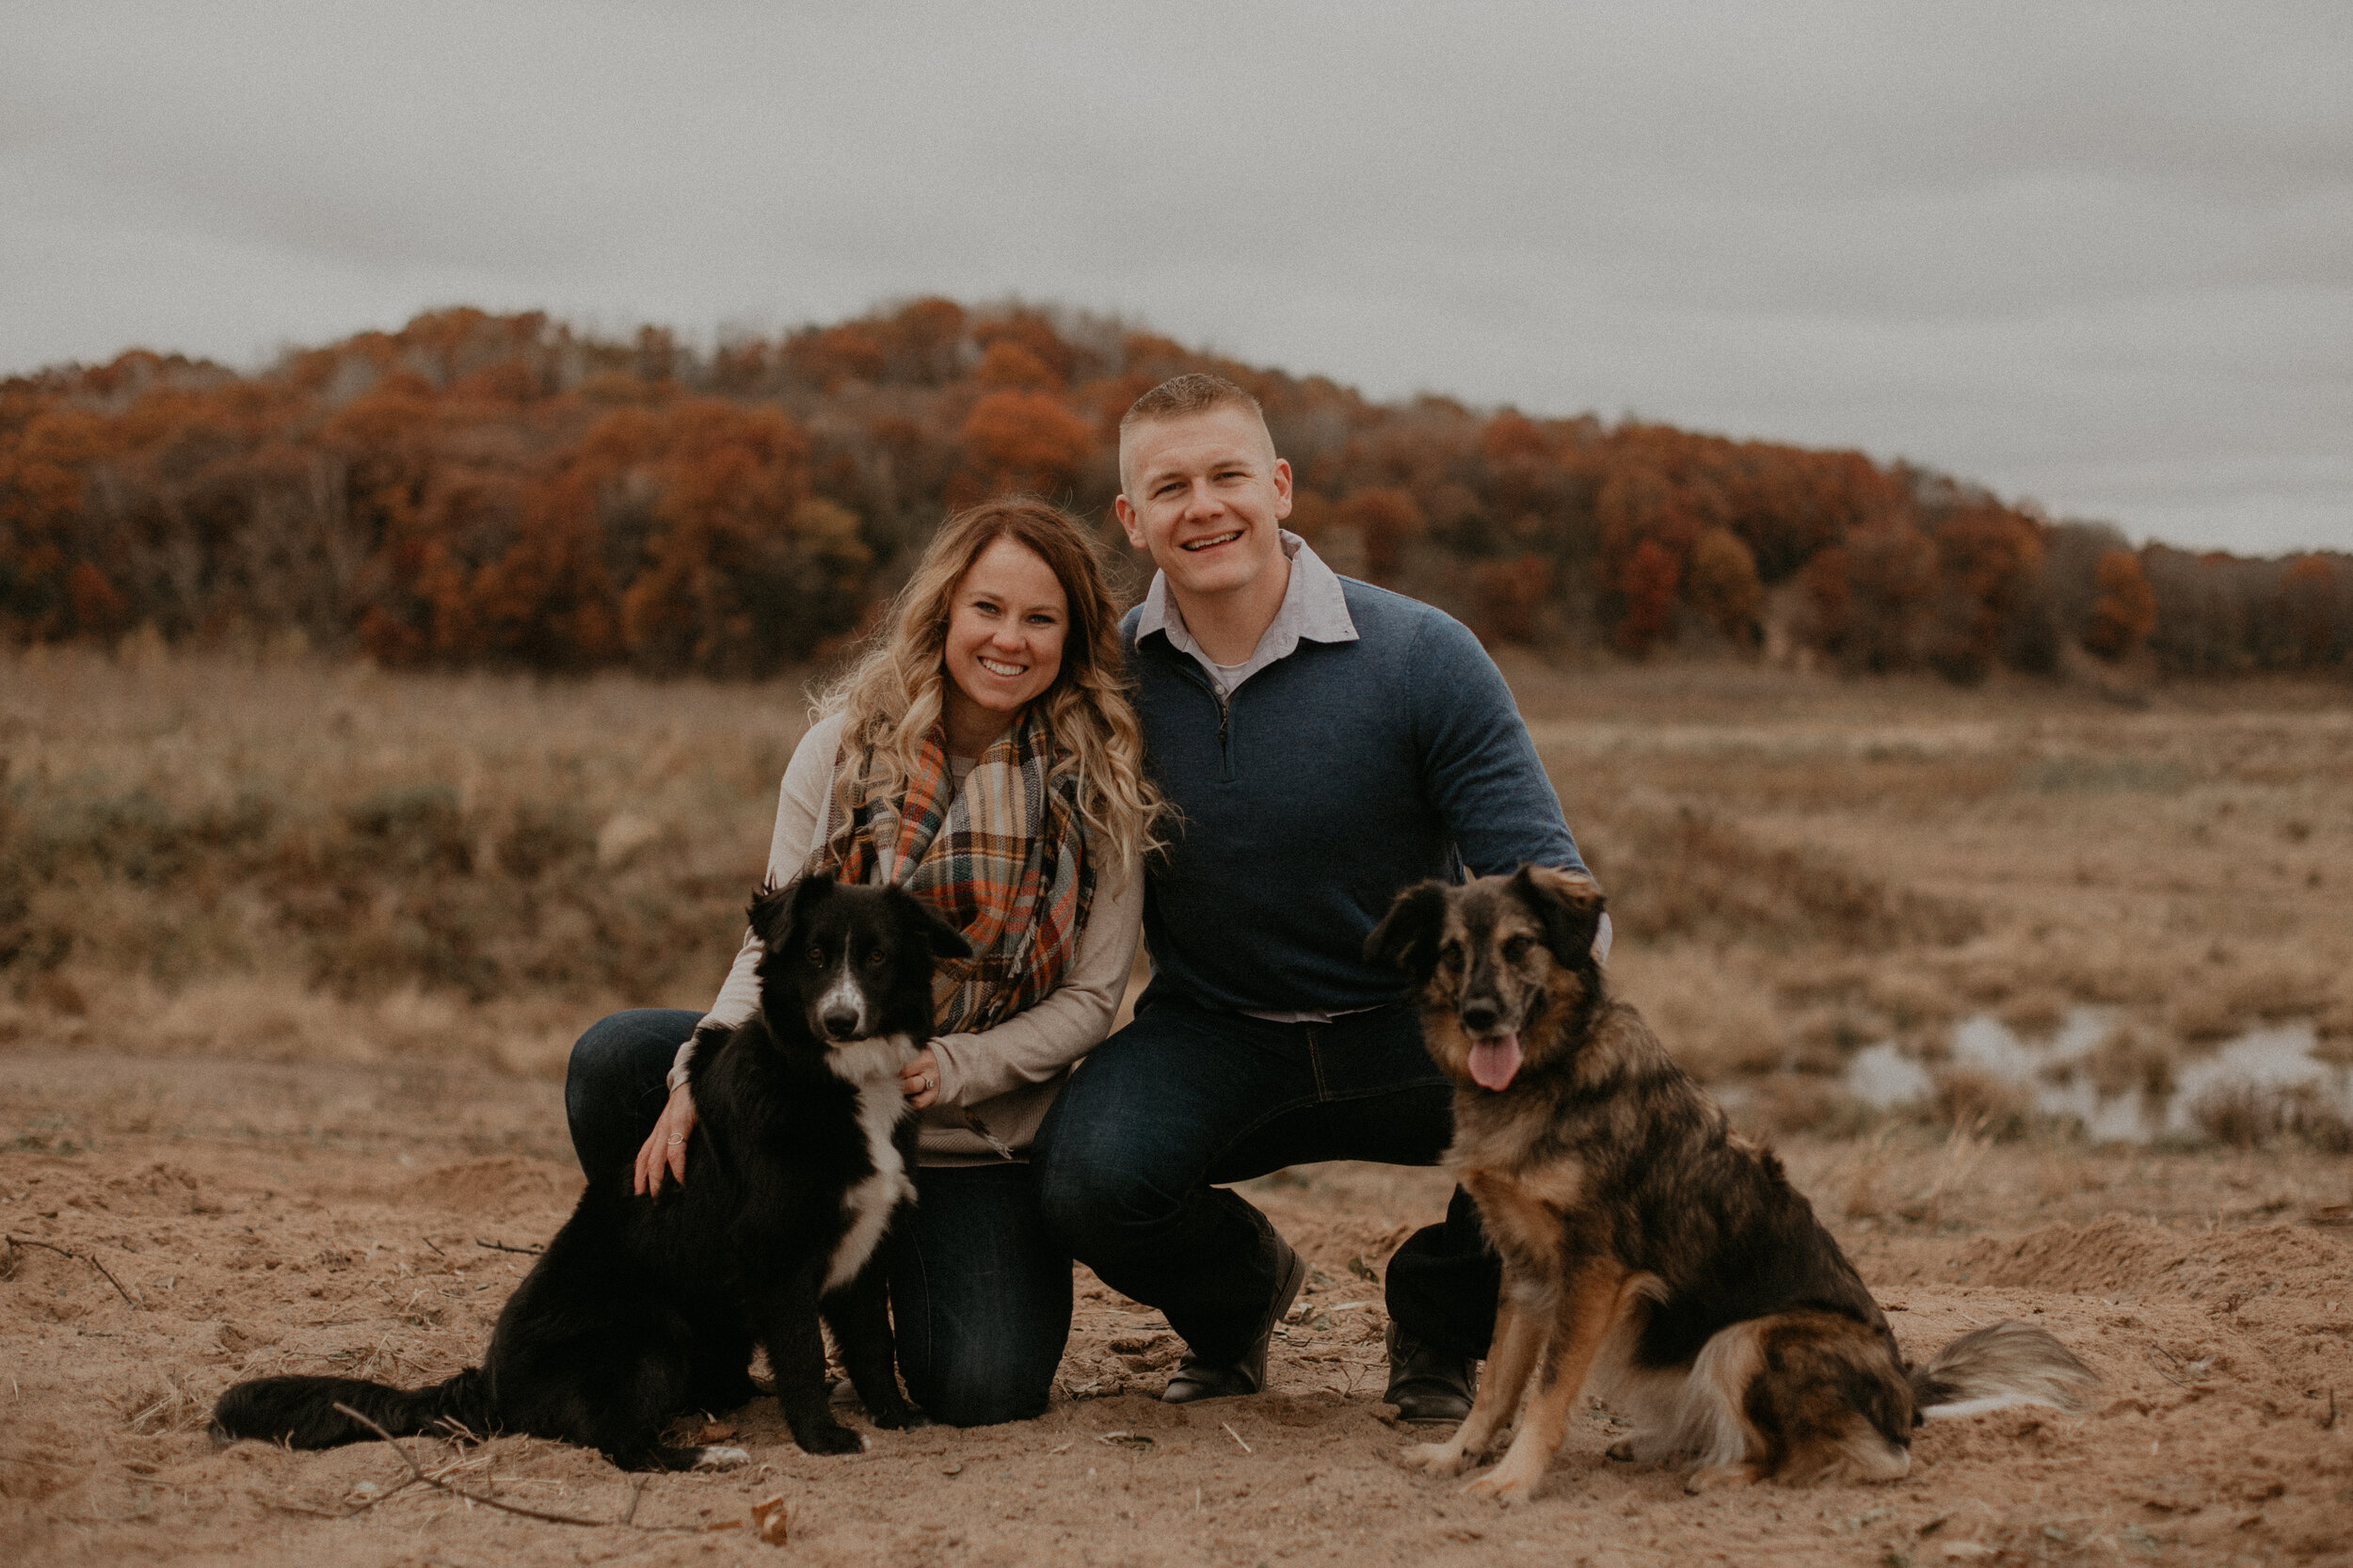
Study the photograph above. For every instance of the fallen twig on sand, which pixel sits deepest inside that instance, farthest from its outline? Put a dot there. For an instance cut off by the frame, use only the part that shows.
(385, 1496)
(501, 1246)
(1237, 1436)
(417, 1475)
(136, 1304)
(310, 1513)
(2166, 1362)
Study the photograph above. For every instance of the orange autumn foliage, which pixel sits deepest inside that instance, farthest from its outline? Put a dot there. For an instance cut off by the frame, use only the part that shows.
(481, 487)
(2125, 612)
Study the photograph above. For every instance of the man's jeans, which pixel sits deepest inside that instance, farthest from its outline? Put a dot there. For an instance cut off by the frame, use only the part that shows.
(1132, 1159)
(980, 1292)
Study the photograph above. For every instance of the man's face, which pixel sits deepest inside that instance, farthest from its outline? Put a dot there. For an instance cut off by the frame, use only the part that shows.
(1205, 495)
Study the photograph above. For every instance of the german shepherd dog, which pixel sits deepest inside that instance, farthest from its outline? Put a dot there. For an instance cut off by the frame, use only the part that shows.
(1652, 1256)
(645, 1307)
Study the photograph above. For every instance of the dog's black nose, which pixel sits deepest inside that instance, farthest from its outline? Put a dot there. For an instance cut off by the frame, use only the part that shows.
(1479, 1016)
(840, 1022)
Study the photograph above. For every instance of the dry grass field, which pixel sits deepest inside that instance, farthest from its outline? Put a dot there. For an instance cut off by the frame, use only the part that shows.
(290, 954)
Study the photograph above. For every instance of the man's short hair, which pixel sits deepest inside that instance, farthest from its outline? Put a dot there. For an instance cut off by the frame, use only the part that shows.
(1193, 392)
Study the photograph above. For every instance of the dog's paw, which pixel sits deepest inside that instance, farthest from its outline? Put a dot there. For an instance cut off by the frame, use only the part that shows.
(896, 1418)
(1440, 1459)
(1504, 1483)
(1714, 1476)
(713, 1458)
(830, 1440)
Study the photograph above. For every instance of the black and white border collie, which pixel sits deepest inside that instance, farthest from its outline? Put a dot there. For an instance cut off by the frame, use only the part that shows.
(643, 1308)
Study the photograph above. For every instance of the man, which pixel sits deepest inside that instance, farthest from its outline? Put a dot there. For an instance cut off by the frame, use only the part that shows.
(1322, 743)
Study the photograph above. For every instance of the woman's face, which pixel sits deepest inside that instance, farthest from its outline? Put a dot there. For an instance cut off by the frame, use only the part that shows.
(1006, 621)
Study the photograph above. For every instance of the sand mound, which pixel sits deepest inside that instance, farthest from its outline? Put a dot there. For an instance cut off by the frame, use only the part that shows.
(497, 1187)
(158, 1188)
(2122, 1254)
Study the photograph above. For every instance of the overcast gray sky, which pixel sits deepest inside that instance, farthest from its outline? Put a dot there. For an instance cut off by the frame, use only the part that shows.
(2097, 256)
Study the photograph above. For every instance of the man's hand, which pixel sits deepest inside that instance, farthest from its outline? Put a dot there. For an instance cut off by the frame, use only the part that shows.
(667, 1145)
(919, 1081)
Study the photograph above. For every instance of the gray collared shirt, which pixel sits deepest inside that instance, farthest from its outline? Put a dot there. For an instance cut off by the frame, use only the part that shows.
(1313, 608)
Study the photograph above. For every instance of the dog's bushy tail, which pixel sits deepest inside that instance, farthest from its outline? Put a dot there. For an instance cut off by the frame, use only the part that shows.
(301, 1411)
(2008, 1363)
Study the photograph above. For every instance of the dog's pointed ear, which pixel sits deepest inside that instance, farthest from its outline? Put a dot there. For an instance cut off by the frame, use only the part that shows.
(777, 911)
(1407, 937)
(944, 940)
(1570, 905)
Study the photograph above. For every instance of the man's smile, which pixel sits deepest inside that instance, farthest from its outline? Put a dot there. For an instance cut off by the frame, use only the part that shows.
(1212, 541)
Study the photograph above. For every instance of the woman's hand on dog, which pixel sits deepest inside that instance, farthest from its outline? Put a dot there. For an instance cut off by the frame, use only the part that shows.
(667, 1145)
(919, 1081)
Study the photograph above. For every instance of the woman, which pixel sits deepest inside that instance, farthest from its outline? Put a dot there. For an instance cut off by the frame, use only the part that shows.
(983, 755)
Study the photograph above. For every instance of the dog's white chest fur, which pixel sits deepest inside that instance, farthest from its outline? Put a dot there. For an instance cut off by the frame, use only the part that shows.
(872, 1067)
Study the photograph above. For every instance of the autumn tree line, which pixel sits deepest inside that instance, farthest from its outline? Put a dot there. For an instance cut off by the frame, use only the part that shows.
(501, 488)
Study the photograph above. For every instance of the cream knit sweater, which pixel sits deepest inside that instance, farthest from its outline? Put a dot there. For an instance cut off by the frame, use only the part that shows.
(993, 1086)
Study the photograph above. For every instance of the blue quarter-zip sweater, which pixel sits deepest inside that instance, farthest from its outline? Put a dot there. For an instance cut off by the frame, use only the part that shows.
(1333, 778)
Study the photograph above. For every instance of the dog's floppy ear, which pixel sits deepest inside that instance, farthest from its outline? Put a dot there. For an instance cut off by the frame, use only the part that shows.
(1570, 905)
(944, 940)
(777, 911)
(1407, 937)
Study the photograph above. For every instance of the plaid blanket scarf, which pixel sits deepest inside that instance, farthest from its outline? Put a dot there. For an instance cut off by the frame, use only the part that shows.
(1003, 859)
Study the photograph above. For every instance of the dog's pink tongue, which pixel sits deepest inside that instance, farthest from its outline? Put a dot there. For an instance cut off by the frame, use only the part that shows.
(1493, 1061)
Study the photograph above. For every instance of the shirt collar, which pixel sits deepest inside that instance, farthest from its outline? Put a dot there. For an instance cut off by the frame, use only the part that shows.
(1314, 607)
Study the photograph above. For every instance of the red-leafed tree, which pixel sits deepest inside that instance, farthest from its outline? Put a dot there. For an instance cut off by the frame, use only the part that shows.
(1387, 520)
(1986, 555)
(1890, 573)
(2124, 611)
(1024, 441)
(735, 576)
(1015, 365)
(548, 600)
(825, 357)
(1512, 596)
(2308, 594)
(45, 466)
(1647, 580)
(1722, 585)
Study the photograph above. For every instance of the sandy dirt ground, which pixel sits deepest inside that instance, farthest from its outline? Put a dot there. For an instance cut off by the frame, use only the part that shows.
(231, 1219)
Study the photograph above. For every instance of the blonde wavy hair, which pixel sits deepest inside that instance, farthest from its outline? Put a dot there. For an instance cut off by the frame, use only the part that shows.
(892, 696)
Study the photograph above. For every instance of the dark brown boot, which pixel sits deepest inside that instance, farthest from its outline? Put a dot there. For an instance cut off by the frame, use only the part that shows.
(1428, 1385)
(1196, 1379)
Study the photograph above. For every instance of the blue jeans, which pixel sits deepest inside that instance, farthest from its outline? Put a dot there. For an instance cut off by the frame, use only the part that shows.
(980, 1291)
(1133, 1158)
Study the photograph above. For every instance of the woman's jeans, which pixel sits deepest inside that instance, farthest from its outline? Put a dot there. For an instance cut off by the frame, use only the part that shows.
(980, 1291)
